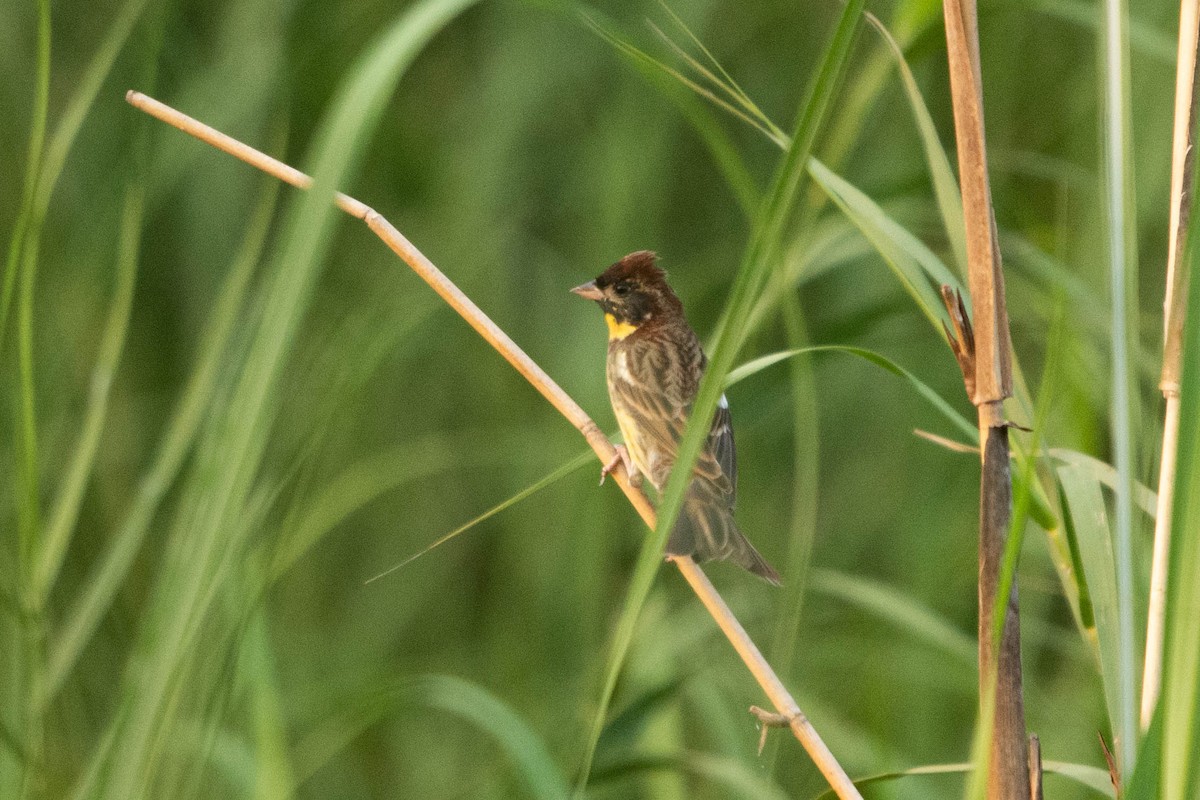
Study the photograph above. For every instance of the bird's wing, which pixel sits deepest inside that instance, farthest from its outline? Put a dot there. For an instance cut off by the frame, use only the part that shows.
(657, 408)
(720, 444)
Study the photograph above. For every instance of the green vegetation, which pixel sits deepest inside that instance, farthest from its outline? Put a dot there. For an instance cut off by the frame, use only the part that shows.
(227, 407)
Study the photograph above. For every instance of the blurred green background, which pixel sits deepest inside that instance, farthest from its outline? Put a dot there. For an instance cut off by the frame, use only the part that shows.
(522, 153)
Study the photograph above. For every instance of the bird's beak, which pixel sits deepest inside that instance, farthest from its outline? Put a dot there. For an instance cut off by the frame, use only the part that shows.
(588, 291)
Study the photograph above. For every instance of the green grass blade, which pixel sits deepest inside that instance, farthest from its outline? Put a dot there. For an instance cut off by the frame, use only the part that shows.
(1146, 39)
(84, 97)
(1088, 514)
(1091, 777)
(724, 83)
(686, 95)
(65, 511)
(20, 264)
(936, 400)
(512, 733)
(101, 587)
(914, 264)
(1145, 497)
(945, 186)
(647, 63)
(274, 774)
(572, 466)
(733, 778)
(899, 610)
(1123, 270)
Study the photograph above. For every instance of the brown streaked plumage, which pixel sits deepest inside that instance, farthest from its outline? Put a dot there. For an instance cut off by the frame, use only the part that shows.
(655, 363)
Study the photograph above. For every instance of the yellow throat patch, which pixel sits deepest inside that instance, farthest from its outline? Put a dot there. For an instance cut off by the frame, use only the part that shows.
(618, 330)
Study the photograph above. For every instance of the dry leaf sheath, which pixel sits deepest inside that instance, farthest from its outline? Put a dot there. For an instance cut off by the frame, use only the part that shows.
(1008, 762)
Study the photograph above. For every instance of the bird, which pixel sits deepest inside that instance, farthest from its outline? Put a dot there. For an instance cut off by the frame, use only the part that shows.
(654, 366)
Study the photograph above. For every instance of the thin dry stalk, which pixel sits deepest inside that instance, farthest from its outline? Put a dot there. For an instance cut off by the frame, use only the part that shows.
(1174, 308)
(500, 341)
(1008, 763)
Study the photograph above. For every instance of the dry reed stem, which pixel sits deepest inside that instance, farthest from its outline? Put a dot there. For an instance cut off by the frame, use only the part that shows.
(1008, 758)
(500, 341)
(1174, 308)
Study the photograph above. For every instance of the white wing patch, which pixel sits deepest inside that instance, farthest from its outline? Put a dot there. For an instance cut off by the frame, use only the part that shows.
(723, 403)
(622, 364)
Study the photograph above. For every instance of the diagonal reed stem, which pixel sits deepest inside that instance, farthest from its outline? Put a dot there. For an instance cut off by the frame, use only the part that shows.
(562, 402)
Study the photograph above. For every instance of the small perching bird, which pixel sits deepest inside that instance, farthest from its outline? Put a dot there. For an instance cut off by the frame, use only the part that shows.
(655, 363)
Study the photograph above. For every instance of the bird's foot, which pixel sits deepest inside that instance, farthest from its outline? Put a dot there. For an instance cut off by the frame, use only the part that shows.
(621, 458)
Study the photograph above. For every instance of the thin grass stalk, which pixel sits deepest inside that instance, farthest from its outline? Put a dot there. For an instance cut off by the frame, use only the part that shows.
(987, 371)
(1122, 262)
(1174, 308)
(86, 612)
(559, 399)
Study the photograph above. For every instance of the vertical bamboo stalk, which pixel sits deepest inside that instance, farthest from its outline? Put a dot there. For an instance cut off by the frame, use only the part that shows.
(988, 375)
(1174, 306)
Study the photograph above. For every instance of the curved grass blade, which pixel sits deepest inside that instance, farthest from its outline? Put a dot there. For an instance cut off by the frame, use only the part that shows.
(574, 465)
(914, 264)
(449, 694)
(647, 61)
(1093, 778)
(101, 587)
(513, 734)
(1144, 38)
(1103, 472)
(686, 97)
(734, 778)
(65, 512)
(1088, 514)
(899, 610)
(923, 389)
(725, 82)
(20, 264)
(945, 186)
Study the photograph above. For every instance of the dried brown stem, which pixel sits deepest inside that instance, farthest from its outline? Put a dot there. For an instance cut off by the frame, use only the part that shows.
(500, 341)
(1008, 761)
(1174, 310)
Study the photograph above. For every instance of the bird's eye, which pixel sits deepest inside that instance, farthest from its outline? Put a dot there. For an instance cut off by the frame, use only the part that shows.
(622, 289)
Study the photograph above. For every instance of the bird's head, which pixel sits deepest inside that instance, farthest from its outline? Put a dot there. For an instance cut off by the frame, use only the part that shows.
(632, 292)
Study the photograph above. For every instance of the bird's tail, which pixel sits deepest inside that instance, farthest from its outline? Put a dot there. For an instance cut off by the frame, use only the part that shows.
(707, 531)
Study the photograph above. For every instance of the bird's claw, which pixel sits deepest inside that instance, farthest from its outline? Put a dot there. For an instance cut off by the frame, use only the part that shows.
(621, 458)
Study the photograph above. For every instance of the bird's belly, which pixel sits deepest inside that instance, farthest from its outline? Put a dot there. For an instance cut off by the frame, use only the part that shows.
(643, 457)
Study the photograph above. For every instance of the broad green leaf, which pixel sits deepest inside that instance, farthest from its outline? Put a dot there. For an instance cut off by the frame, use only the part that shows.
(1088, 518)
(1103, 473)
